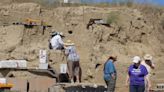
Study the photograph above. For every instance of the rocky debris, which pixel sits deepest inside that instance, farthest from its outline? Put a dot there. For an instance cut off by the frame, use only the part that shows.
(4, 12)
(133, 34)
(27, 8)
(10, 38)
(56, 58)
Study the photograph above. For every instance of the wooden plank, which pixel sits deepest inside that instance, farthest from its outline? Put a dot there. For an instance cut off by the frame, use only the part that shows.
(13, 64)
(80, 84)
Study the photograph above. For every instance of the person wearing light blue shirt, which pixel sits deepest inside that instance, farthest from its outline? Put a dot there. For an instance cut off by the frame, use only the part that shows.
(110, 74)
(72, 61)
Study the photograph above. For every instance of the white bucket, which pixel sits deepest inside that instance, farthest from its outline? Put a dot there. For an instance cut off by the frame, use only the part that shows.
(63, 68)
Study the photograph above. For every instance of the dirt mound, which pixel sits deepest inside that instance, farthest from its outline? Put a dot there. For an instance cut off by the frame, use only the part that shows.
(131, 33)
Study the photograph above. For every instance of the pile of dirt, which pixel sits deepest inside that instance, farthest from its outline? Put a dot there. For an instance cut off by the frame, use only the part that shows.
(133, 33)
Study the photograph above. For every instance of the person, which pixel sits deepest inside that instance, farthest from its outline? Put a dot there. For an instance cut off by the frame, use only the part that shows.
(72, 61)
(56, 41)
(148, 63)
(137, 75)
(110, 73)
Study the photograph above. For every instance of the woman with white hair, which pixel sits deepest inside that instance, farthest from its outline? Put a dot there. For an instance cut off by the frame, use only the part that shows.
(137, 75)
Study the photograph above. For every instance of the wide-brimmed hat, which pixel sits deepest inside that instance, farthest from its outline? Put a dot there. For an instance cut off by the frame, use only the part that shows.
(61, 33)
(136, 59)
(57, 33)
(54, 33)
(148, 57)
(69, 42)
(113, 57)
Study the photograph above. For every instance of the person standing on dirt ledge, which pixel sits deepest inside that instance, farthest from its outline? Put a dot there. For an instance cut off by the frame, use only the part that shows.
(110, 73)
(137, 75)
(56, 41)
(72, 62)
(148, 63)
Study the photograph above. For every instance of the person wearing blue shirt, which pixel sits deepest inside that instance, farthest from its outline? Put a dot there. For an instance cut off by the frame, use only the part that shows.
(110, 74)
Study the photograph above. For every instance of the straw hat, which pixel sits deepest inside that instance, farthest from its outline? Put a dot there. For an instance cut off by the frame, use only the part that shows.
(61, 33)
(148, 57)
(69, 42)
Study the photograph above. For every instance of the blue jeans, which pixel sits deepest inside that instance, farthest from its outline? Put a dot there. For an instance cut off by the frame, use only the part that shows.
(137, 88)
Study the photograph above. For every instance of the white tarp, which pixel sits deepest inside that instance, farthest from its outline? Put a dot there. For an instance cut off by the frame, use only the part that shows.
(65, 1)
(43, 56)
(100, 21)
(13, 64)
(63, 68)
(2, 80)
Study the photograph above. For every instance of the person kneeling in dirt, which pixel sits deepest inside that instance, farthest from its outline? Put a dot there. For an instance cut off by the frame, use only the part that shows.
(72, 61)
(56, 41)
(110, 73)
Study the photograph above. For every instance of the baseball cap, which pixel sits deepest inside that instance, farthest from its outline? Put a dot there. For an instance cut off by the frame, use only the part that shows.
(136, 59)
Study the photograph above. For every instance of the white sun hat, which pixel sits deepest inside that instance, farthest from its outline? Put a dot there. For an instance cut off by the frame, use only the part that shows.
(148, 57)
(61, 33)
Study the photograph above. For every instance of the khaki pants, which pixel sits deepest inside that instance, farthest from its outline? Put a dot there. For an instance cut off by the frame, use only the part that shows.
(111, 85)
(73, 68)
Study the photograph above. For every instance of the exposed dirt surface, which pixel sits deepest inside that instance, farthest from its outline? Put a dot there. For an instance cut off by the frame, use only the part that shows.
(136, 32)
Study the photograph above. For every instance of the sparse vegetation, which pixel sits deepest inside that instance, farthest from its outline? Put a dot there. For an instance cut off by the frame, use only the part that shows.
(113, 17)
(162, 23)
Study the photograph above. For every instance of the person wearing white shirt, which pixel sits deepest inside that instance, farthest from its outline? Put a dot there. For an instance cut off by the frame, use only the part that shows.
(57, 41)
(148, 63)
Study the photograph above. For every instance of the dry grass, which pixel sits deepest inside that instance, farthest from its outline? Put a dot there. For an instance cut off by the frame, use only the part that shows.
(162, 23)
(113, 17)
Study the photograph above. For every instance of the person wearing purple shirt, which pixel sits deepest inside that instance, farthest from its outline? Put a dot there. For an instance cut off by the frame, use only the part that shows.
(137, 75)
